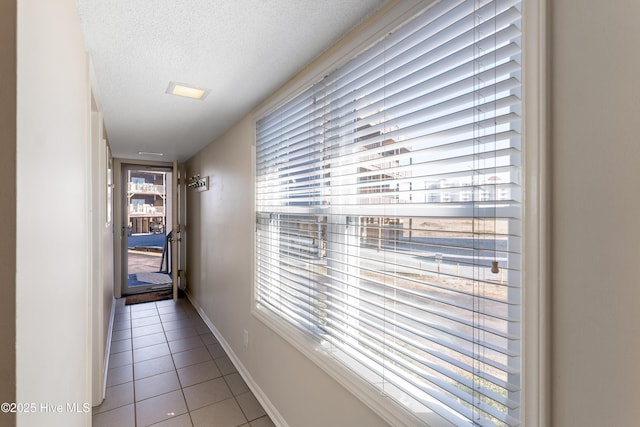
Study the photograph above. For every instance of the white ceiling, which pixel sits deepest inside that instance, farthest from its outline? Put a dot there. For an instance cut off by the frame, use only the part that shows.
(242, 50)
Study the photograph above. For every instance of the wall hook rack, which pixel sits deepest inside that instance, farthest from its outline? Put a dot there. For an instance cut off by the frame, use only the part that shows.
(198, 183)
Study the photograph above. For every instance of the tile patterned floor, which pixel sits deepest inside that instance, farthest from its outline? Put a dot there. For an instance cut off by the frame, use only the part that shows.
(167, 369)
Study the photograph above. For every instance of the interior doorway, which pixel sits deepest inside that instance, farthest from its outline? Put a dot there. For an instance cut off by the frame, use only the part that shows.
(147, 213)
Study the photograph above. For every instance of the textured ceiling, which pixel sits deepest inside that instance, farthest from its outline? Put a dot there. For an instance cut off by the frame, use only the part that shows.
(242, 50)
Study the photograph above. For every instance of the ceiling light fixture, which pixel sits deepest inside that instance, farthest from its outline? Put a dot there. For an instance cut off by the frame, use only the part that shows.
(181, 89)
(149, 153)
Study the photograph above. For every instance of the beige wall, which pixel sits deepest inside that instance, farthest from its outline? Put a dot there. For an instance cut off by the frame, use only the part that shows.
(596, 213)
(52, 281)
(8, 203)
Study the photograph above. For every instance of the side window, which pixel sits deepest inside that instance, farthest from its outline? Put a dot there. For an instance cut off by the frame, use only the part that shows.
(389, 208)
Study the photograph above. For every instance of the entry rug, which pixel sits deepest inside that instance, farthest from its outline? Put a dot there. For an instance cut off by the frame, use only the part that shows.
(149, 297)
(141, 279)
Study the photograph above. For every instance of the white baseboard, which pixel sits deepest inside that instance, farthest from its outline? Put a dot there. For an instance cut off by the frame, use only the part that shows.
(107, 348)
(271, 410)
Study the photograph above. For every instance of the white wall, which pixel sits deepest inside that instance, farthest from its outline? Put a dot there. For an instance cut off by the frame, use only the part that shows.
(52, 281)
(596, 212)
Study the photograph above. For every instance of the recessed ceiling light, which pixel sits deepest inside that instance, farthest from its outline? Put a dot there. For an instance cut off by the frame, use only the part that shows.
(149, 153)
(181, 89)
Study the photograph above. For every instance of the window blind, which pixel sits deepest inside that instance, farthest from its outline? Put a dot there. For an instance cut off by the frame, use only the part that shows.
(385, 193)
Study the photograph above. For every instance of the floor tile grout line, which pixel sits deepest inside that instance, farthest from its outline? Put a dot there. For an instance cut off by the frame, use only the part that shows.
(182, 386)
(176, 371)
(133, 378)
(235, 397)
(199, 333)
(184, 398)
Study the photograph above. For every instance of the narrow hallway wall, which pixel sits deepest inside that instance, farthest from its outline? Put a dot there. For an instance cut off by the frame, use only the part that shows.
(8, 203)
(53, 320)
(595, 210)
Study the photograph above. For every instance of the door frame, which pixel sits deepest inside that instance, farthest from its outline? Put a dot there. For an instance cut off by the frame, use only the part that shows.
(119, 217)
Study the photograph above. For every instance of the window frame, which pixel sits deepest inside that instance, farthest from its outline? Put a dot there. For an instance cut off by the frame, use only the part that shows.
(535, 213)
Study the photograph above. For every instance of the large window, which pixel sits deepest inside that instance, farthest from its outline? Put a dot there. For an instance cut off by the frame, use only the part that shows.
(388, 204)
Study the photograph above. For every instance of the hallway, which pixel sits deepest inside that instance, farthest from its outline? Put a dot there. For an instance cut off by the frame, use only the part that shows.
(167, 369)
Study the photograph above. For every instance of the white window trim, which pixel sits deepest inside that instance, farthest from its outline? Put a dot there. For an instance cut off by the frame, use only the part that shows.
(536, 214)
(536, 262)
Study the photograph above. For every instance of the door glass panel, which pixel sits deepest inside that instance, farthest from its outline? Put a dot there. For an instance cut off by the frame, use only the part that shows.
(148, 222)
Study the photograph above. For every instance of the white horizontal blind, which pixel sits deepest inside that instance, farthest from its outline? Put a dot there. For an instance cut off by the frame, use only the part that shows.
(384, 193)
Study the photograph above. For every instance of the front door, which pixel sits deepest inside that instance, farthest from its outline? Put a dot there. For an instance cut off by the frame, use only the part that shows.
(148, 228)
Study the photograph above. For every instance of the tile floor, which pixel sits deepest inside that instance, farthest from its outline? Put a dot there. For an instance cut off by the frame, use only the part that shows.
(167, 369)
